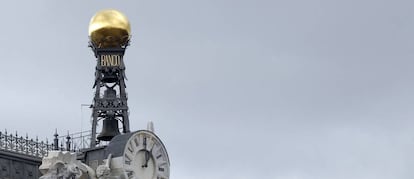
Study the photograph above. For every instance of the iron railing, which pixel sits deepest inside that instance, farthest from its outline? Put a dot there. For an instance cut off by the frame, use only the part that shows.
(24, 145)
(74, 142)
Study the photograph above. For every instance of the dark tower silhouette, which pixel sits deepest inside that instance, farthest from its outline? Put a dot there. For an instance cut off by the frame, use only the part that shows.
(111, 106)
(109, 37)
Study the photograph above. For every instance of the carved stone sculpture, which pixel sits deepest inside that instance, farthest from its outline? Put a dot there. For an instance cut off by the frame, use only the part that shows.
(103, 171)
(63, 165)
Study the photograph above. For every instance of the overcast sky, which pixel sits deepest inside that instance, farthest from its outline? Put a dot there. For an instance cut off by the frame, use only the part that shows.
(237, 89)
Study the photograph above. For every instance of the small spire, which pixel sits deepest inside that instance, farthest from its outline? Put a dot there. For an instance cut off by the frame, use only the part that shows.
(150, 126)
(56, 134)
(61, 146)
(68, 142)
(56, 141)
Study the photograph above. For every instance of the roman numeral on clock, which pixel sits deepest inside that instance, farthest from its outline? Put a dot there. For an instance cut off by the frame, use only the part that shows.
(130, 147)
(136, 142)
(128, 162)
(127, 159)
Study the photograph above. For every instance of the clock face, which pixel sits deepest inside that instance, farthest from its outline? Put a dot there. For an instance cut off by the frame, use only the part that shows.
(145, 157)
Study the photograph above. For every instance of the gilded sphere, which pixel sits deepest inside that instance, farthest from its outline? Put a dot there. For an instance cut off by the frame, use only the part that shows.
(109, 28)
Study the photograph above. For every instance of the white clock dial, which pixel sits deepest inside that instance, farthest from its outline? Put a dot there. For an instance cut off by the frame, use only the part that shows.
(145, 157)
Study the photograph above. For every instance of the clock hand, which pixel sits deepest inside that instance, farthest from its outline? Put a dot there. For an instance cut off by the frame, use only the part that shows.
(146, 154)
(147, 157)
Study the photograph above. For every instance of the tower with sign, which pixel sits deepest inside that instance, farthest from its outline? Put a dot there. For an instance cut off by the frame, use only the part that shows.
(130, 154)
(109, 33)
(139, 154)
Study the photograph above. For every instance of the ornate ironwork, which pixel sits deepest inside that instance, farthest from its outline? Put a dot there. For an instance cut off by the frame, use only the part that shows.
(24, 145)
(75, 142)
(112, 105)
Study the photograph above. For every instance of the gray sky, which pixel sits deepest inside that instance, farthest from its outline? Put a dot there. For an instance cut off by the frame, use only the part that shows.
(289, 89)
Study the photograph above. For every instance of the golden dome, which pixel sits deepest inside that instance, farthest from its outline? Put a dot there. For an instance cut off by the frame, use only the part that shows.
(109, 28)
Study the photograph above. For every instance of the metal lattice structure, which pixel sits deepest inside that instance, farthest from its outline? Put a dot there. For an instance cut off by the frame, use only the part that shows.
(24, 145)
(111, 106)
(35, 148)
(76, 142)
(20, 157)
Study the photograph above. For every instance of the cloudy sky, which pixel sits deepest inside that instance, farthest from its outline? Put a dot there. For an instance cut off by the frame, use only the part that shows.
(243, 89)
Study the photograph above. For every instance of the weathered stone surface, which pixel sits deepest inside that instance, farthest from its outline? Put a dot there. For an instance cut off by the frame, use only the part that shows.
(62, 164)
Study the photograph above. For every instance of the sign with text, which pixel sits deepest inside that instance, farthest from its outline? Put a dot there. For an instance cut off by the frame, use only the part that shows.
(110, 60)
